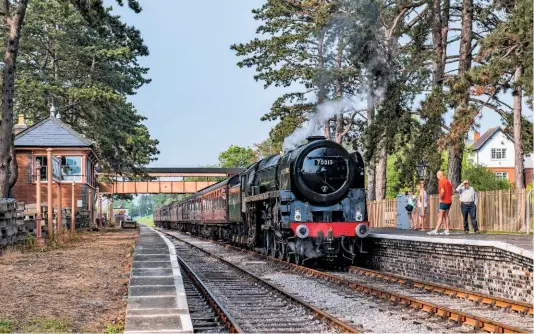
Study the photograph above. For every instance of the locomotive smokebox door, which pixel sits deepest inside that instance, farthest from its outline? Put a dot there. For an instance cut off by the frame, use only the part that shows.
(403, 221)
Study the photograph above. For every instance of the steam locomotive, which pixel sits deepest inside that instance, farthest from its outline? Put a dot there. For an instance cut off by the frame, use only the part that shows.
(307, 204)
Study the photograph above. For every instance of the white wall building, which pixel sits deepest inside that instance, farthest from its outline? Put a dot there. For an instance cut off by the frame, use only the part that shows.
(495, 150)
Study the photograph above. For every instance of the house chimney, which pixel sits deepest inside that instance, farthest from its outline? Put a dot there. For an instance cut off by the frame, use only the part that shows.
(477, 135)
(20, 126)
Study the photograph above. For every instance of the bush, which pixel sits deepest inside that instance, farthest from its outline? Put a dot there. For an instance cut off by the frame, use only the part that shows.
(482, 179)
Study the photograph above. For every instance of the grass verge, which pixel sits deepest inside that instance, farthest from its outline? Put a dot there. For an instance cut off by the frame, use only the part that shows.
(146, 220)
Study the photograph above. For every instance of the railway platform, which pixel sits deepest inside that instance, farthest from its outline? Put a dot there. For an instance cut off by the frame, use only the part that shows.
(156, 298)
(500, 265)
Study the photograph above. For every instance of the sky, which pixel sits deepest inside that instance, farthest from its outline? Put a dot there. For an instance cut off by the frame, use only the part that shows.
(199, 101)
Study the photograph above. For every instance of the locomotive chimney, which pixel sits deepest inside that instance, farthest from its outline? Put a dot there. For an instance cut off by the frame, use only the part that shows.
(314, 138)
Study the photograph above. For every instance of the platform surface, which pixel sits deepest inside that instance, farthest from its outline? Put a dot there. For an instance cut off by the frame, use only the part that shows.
(520, 240)
(156, 297)
(521, 244)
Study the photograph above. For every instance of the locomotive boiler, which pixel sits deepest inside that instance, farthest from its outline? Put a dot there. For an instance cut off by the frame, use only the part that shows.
(306, 204)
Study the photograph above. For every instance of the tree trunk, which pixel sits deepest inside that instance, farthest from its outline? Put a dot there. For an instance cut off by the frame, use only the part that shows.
(321, 96)
(518, 148)
(454, 173)
(340, 129)
(339, 132)
(14, 22)
(381, 169)
(13, 168)
(437, 41)
(456, 149)
(518, 141)
(370, 165)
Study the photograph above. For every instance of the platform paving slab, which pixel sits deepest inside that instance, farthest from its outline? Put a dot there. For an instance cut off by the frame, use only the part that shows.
(151, 264)
(140, 272)
(151, 257)
(156, 297)
(159, 280)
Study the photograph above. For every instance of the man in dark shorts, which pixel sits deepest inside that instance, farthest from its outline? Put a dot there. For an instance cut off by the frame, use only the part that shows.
(445, 201)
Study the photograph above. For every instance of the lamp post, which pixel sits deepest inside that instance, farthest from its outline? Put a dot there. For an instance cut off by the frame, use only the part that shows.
(421, 169)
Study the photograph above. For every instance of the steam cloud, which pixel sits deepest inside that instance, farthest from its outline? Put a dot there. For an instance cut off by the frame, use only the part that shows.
(376, 76)
(315, 124)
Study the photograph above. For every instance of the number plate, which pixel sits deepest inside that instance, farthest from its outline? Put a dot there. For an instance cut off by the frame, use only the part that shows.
(323, 162)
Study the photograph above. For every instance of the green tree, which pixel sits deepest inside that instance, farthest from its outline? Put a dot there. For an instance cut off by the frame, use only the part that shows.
(87, 75)
(13, 13)
(237, 157)
(267, 147)
(482, 179)
(145, 205)
(163, 199)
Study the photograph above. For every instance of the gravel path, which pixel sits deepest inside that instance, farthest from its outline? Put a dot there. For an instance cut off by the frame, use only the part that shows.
(364, 312)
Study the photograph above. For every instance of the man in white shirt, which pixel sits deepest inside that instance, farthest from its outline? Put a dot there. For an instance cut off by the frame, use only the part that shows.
(468, 204)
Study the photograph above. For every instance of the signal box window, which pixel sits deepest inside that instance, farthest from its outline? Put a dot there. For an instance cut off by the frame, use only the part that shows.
(71, 168)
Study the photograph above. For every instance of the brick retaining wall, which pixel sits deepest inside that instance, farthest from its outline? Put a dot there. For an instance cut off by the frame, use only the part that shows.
(481, 269)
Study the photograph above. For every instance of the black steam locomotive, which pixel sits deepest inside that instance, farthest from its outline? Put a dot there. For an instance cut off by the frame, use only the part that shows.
(306, 204)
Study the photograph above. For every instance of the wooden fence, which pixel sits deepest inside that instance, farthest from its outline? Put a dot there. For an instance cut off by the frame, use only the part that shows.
(495, 212)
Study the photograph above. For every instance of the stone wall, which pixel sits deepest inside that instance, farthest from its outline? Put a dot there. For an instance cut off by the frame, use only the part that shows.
(17, 222)
(483, 269)
(13, 225)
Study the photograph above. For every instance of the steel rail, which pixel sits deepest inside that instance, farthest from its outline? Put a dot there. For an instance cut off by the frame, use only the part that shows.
(222, 313)
(480, 298)
(319, 314)
(396, 298)
(478, 322)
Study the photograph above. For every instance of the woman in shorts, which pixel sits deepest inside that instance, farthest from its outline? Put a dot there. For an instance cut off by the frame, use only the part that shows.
(410, 206)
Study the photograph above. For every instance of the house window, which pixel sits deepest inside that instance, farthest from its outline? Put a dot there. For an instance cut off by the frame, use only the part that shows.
(501, 175)
(498, 153)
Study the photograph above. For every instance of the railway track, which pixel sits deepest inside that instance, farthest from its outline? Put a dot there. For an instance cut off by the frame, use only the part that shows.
(203, 315)
(480, 298)
(399, 292)
(244, 302)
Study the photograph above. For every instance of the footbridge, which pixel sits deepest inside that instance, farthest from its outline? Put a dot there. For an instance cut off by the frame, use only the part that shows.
(166, 180)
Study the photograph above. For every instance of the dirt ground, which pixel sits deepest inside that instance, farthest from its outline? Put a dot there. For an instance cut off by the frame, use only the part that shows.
(81, 287)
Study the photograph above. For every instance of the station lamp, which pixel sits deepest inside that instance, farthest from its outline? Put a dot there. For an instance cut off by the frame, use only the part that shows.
(421, 169)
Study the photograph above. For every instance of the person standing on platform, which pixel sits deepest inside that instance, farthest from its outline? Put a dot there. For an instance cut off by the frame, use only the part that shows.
(410, 209)
(445, 201)
(468, 205)
(422, 205)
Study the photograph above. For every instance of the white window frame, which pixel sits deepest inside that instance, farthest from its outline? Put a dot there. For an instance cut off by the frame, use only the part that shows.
(501, 175)
(498, 154)
(75, 177)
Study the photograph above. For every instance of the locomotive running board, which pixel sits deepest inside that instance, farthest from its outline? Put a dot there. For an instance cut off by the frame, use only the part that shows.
(262, 197)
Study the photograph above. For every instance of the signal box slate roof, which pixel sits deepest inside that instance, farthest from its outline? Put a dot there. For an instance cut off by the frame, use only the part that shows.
(51, 132)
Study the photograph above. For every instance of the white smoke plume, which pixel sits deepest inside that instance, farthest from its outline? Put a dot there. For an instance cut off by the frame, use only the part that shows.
(315, 124)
